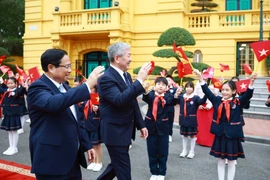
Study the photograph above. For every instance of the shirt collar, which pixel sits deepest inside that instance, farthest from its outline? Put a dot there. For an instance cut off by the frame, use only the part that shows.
(54, 82)
(190, 96)
(118, 70)
(159, 94)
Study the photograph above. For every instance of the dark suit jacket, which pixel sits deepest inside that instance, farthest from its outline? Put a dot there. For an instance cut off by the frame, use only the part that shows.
(119, 109)
(55, 134)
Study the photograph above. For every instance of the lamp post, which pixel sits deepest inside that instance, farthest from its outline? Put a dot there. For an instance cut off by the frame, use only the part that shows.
(261, 20)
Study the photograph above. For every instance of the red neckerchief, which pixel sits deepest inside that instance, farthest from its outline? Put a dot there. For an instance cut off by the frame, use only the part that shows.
(185, 105)
(227, 107)
(86, 108)
(155, 105)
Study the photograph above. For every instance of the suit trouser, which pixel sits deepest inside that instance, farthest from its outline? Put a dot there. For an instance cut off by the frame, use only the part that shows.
(74, 174)
(158, 150)
(120, 164)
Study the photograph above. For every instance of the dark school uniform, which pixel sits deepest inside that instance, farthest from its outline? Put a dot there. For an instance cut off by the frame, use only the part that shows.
(188, 113)
(92, 124)
(158, 130)
(228, 129)
(171, 90)
(11, 108)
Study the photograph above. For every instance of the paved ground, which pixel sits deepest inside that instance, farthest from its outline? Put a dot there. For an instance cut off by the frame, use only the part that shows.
(256, 165)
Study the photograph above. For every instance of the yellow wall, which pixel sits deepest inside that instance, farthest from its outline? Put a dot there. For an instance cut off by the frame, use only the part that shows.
(137, 22)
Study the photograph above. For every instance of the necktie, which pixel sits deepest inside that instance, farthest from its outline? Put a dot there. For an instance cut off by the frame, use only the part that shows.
(155, 105)
(62, 89)
(185, 106)
(126, 79)
(72, 107)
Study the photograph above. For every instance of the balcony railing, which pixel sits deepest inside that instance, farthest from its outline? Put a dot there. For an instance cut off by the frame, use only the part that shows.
(226, 19)
(94, 19)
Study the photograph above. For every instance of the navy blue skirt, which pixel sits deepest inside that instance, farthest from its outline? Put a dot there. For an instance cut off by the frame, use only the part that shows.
(11, 123)
(188, 131)
(229, 148)
(94, 137)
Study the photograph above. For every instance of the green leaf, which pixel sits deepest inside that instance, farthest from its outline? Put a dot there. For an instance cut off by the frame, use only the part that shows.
(180, 36)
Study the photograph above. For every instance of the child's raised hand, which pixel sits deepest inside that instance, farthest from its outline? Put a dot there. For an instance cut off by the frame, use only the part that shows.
(178, 91)
(252, 78)
(198, 74)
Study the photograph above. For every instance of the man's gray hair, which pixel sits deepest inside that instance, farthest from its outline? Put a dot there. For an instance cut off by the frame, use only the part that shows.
(117, 49)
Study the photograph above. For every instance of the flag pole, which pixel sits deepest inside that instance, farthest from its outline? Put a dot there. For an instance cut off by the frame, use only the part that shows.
(257, 66)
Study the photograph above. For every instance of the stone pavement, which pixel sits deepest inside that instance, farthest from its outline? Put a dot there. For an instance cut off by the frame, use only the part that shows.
(255, 130)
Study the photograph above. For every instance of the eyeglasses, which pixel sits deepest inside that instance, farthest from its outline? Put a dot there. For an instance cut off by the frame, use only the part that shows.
(68, 66)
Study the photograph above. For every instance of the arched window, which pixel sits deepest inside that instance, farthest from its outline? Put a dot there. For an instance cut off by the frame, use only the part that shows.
(197, 56)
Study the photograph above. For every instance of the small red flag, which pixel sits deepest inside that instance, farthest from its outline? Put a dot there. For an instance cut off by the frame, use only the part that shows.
(224, 67)
(208, 73)
(183, 69)
(10, 74)
(33, 73)
(21, 72)
(152, 67)
(268, 84)
(79, 72)
(94, 98)
(2, 58)
(217, 83)
(242, 85)
(180, 51)
(247, 69)
(4, 69)
(261, 49)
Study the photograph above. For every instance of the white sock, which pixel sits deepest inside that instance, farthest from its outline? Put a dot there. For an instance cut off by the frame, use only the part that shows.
(192, 144)
(22, 121)
(221, 169)
(15, 137)
(10, 139)
(231, 169)
(185, 140)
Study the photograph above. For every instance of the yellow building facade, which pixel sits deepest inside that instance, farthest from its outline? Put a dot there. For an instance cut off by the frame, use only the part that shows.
(85, 29)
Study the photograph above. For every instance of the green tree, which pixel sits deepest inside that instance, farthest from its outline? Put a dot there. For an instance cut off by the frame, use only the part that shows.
(205, 6)
(12, 25)
(7, 61)
(181, 37)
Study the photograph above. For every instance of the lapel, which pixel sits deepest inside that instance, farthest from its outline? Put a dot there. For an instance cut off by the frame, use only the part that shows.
(50, 84)
(56, 91)
(118, 78)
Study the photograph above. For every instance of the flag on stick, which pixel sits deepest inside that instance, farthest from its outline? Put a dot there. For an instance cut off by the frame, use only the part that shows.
(33, 73)
(261, 49)
(242, 85)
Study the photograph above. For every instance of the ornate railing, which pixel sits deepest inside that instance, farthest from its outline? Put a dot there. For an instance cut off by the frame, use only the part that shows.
(88, 19)
(226, 19)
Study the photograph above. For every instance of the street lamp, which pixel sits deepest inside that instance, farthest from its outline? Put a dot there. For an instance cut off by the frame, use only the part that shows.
(261, 20)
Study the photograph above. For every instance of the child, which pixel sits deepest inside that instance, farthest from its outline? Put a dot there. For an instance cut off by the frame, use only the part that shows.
(267, 102)
(189, 104)
(92, 125)
(171, 89)
(157, 123)
(227, 124)
(11, 111)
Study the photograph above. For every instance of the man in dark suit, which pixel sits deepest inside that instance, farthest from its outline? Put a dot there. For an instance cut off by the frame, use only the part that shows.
(57, 142)
(119, 110)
